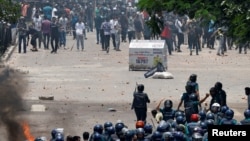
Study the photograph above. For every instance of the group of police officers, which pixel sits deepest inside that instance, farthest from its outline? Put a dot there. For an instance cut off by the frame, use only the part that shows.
(191, 124)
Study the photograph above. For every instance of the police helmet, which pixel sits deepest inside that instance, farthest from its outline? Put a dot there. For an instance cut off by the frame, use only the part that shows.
(202, 115)
(247, 113)
(218, 85)
(193, 77)
(168, 104)
(140, 131)
(140, 87)
(203, 125)
(110, 130)
(157, 136)
(139, 124)
(98, 128)
(194, 117)
(163, 126)
(124, 130)
(172, 123)
(53, 133)
(210, 116)
(180, 127)
(97, 137)
(129, 135)
(224, 109)
(148, 128)
(118, 127)
(168, 136)
(180, 120)
(179, 113)
(229, 114)
(179, 135)
(215, 107)
(107, 124)
(210, 122)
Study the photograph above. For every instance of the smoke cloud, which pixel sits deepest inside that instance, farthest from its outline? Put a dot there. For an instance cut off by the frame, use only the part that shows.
(12, 86)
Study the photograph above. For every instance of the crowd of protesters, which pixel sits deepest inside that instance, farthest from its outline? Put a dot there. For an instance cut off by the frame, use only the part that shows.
(119, 21)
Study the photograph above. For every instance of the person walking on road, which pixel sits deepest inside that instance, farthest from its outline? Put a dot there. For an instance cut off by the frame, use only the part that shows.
(140, 103)
(106, 27)
(247, 92)
(54, 35)
(22, 34)
(80, 27)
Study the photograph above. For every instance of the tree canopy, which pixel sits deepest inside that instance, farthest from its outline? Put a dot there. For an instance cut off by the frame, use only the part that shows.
(233, 14)
(9, 11)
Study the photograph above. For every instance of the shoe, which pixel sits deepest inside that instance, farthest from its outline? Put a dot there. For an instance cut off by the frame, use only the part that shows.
(218, 54)
(118, 50)
(97, 42)
(82, 49)
(179, 51)
(107, 50)
(52, 51)
(34, 49)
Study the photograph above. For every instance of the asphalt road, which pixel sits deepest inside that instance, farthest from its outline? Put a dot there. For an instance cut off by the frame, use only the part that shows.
(85, 84)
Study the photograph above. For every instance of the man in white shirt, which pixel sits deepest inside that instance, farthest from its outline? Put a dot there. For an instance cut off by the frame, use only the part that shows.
(54, 10)
(37, 21)
(80, 27)
(63, 22)
(113, 23)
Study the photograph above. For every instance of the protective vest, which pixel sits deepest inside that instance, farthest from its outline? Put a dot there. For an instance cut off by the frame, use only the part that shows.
(140, 100)
(168, 114)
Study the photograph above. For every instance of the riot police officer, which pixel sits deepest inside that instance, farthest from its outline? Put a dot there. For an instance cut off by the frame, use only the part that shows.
(167, 111)
(246, 121)
(229, 120)
(139, 103)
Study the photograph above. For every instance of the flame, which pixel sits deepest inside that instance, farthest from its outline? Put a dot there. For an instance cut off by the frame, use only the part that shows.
(26, 131)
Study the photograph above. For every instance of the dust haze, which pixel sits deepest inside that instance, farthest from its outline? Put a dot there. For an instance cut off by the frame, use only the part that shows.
(12, 86)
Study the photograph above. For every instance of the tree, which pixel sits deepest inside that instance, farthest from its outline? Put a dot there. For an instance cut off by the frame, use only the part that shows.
(233, 14)
(9, 11)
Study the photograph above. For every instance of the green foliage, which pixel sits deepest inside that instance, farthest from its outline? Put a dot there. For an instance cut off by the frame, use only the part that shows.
(234, 14)
(9, 11)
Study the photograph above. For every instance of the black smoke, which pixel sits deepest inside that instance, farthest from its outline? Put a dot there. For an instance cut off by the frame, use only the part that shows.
(12, 86)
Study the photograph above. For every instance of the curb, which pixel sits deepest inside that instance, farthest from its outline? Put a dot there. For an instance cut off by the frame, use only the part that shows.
(6, 56)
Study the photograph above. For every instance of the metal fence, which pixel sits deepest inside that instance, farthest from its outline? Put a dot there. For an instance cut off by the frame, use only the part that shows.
(5, 36)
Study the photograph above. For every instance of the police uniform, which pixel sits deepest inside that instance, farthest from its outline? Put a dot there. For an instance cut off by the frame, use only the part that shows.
(140, 105)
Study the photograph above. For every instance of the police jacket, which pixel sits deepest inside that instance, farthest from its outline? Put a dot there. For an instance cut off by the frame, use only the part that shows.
(140, 100)
(245, 121)
(168, 114)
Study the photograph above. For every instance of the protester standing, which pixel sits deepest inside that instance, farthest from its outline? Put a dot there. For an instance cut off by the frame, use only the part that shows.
(80, 27)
